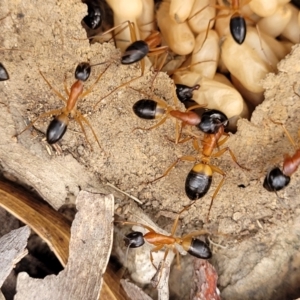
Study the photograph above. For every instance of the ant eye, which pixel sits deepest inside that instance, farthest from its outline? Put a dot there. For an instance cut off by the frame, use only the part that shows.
(134, 239)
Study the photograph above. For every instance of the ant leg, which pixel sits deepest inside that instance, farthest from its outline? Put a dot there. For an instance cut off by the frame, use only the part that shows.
(137, 224)
(195, 233)
(154, 126)
(208, 27)
(155, 249)
(286, 132)
(174, 227)
(185, 158)
(92, 86)
(222, 151)
(52, 112)
(80, 116)
(156, 52)
(120, 86)
(53, 89)
(66, 87)
(217, 170)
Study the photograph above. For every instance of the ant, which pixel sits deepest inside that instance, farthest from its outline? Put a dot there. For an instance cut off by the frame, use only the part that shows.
(137, 51)
(277, 179)
(237, 23)
(59, 124)
(198, 180)
(194, 247)
(209, 120)
(150, 109)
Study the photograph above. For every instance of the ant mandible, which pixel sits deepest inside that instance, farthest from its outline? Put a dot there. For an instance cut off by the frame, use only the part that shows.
(194, 247)
(277, 179)
(198, 180)
(59, 124)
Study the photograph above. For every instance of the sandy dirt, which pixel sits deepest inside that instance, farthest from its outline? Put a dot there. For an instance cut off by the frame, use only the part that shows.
(261, 259)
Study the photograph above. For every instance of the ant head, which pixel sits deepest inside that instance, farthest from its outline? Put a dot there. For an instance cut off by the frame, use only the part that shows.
(57, 128)
(94, 19)
(135, 52)
(83, 71)
(212, 120)
(134, 239)
(3, 73)
(185, 92)
(199, 249)
(276, 180)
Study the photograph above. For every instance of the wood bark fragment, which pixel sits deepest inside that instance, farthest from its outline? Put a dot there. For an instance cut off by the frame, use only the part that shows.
(12, 250)
(90, 246)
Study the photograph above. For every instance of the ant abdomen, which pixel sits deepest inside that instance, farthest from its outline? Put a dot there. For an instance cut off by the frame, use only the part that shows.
(198, 181)
(57, 128)
(3, 73)
(199, 249)
(276, 180)
(148, 109)
(134, 239)
(135, 52)
(238, 28)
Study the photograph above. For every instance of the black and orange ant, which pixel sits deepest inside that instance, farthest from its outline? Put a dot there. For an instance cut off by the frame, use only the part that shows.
(277, 179)
(150, 109)
(209, 120)
(199, 179)
(194, 247)
(59, 124)
(138, 49)
(237, 23)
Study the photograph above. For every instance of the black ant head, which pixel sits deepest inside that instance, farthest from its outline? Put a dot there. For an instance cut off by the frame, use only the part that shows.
(135, 52)
(3, 73)
(94, 18)
(57, 128)
(276, 180)
(199, 249)
(134, 239)
(212, 120)
(83, 71)
(185, 92)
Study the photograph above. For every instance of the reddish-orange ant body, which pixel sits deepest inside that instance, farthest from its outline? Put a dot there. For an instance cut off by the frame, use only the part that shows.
(194, 247)
(58, 125)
